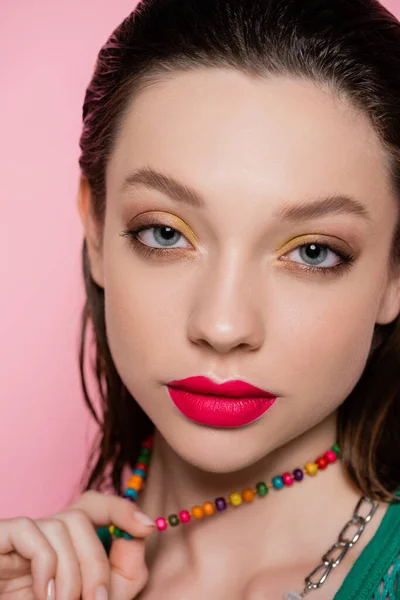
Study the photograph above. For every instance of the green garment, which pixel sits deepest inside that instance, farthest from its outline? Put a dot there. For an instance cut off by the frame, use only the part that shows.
(363, 581)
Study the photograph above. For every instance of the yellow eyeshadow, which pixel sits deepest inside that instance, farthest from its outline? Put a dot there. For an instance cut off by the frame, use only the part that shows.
(313, 238)
(162, 219)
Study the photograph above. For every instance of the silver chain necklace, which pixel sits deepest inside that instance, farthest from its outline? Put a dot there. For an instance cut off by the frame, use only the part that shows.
(341, 547)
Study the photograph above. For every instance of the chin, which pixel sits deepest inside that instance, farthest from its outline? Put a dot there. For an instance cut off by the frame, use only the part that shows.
(216, 449)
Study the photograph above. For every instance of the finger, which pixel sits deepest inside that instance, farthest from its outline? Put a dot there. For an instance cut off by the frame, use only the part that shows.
(121, 512)
(13, 565)
(129, 572)
(92, 558)
(68, 576)
(23, 536)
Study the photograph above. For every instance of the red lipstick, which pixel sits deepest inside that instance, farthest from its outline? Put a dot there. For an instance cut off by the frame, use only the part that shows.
(230, 404)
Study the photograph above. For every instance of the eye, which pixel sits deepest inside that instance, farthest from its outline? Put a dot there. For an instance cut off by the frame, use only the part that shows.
(321, 258)
(161, 236)
(317, 255)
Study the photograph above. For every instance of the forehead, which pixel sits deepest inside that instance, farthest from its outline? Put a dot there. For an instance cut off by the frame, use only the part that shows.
(227, 132)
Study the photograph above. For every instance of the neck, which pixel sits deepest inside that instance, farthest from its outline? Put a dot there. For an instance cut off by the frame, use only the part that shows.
(292, 517)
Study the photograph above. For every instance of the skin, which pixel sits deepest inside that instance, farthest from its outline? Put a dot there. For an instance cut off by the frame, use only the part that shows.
(235, 303)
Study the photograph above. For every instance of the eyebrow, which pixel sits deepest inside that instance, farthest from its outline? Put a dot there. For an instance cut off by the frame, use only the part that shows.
(166, 184)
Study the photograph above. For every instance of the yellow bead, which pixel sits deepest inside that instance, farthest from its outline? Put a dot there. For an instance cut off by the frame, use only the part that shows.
(135, 482)
(197, 512)
(311, 468)
(248, 495)
(111, 529)
(208, 508)
(235, 498)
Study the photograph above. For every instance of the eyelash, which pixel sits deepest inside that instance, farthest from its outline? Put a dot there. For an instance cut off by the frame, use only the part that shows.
(148, 251)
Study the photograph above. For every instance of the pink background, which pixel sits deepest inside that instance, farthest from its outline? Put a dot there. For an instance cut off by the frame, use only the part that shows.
(47, 53)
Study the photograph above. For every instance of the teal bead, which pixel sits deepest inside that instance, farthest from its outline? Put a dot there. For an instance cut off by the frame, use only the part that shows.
(131, 493)
(105, 538)
(336, 450)
(140, 472)
(173, 520)
(126, 536)
(277, 482)
(262, 489)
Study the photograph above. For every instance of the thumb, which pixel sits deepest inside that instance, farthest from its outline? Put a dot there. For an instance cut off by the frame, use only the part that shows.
(129, 572)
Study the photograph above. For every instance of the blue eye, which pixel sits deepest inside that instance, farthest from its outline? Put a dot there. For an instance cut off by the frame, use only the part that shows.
(320, 258)
(163, 235)
(316, 254)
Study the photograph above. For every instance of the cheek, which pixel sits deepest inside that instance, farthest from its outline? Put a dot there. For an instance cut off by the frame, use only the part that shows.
(145, 315)
(325, 340)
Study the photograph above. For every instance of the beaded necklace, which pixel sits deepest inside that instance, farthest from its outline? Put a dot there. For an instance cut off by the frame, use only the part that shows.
(140, 471)
(329, 561)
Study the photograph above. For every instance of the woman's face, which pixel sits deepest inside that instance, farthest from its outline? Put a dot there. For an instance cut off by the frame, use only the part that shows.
(226, 292)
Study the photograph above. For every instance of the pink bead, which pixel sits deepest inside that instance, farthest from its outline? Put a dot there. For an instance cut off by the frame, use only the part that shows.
(330, 456)
(184, 516)
(161, 523)
(287, 479)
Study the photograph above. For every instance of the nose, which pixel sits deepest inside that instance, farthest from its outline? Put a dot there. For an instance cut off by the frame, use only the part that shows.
(226, 312)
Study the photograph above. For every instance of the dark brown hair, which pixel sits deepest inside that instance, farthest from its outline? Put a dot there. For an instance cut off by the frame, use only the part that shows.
(350, 48)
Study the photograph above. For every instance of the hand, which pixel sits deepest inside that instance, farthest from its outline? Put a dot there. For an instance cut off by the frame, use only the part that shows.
(65, 548)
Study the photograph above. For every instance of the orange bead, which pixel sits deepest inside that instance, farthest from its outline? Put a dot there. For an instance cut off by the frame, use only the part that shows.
(248, 495)
(208, 508)
(197, 512)
(135, 482)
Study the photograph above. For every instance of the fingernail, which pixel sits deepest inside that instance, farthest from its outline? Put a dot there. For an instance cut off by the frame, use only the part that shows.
(101, 593)
(50, 590)
(144, 518)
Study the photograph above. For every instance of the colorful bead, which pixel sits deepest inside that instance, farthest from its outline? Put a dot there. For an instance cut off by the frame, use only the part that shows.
(220, 503)
(184, 516)
(208, 508)
(161, 523)
(111, 529)
(173, 520)
(287, 479)
(336, 450)
(298, 474)
(145, 451)
(235, 498)
(330, 456)
(197, 512)
(262, 489)
(135, 482)
(133, 500)
(311, 468)
(147, 444)
(277, 482)
(140, 472)
(141, 465)
(117, 532)
(321, 462)
(126, 535)
(130, 492)
(248, 495)
(144, 459)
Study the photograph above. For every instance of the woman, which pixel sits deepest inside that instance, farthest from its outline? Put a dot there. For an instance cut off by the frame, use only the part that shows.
(239, 198)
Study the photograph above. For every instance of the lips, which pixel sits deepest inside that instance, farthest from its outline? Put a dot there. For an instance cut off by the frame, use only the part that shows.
(229, 404)
(233, 389)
